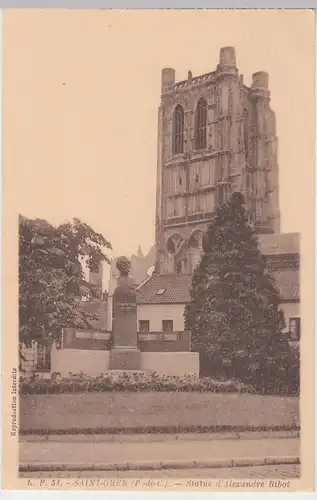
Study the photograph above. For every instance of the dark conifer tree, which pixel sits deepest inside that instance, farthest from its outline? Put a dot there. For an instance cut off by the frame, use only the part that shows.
(233, 314)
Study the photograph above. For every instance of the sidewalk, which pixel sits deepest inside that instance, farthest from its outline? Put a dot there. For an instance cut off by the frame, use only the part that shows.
(48, 455)
(186, 436)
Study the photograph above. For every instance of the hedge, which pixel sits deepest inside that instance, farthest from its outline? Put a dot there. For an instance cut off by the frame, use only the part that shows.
(150, 382)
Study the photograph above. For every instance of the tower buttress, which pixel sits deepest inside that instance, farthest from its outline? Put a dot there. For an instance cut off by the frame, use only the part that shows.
(261, 184)
(227, 83)
(273, 173)
(159, 192)
(167, 79)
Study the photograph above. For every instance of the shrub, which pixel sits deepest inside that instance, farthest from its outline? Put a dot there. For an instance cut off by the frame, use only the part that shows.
(124, 382)
(278, 375)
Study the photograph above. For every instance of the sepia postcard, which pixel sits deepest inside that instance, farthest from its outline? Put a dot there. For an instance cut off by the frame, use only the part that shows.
(158, 250)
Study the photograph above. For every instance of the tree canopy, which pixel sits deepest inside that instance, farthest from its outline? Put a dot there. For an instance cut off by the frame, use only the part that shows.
(233, 314)
(51, 276)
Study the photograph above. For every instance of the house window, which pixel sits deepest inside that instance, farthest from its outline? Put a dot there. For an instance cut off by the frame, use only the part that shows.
(294, 328)
(144, 326)
(167, 325)
(201, 124)
(178, 130)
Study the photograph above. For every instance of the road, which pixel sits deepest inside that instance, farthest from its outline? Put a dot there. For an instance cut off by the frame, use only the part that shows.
(105, 452)
(268, 472)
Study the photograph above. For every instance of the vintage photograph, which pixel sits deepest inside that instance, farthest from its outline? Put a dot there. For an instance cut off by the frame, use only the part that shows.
(160, 167)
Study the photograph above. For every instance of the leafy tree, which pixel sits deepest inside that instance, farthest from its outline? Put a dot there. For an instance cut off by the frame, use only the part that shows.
(233, 314)
(51, 276)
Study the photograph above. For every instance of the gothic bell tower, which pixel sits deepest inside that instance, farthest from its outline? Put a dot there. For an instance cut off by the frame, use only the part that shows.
(215, 136)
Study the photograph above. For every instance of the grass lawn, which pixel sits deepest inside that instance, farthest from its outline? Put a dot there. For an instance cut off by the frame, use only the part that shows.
(155, 409)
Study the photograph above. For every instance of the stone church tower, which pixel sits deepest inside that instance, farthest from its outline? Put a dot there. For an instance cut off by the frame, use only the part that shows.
(215, 136)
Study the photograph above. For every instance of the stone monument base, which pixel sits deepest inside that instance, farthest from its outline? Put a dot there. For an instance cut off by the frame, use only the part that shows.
(125, 358)
(128, 372)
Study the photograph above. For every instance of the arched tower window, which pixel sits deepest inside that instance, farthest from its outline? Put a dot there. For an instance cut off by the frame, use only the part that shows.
(171, 247)
(196, 239)
(173, 243)
(201, 124)
(178, 130)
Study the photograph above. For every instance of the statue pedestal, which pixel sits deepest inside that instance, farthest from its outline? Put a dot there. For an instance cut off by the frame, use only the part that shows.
(125, 354)
(125, 358)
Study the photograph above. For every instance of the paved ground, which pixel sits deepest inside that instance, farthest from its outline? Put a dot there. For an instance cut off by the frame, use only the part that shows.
(272, 471)
(187, 436)
(94, 452)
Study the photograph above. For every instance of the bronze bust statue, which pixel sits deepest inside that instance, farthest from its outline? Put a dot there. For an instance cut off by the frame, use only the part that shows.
(124, 266)
(125, 280)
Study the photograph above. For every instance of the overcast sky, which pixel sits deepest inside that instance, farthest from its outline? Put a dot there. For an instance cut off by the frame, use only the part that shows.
(81, 92)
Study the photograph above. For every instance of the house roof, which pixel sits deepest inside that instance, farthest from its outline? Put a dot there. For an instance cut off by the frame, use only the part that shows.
(279, 243)
(165, 289)
(175, 288)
